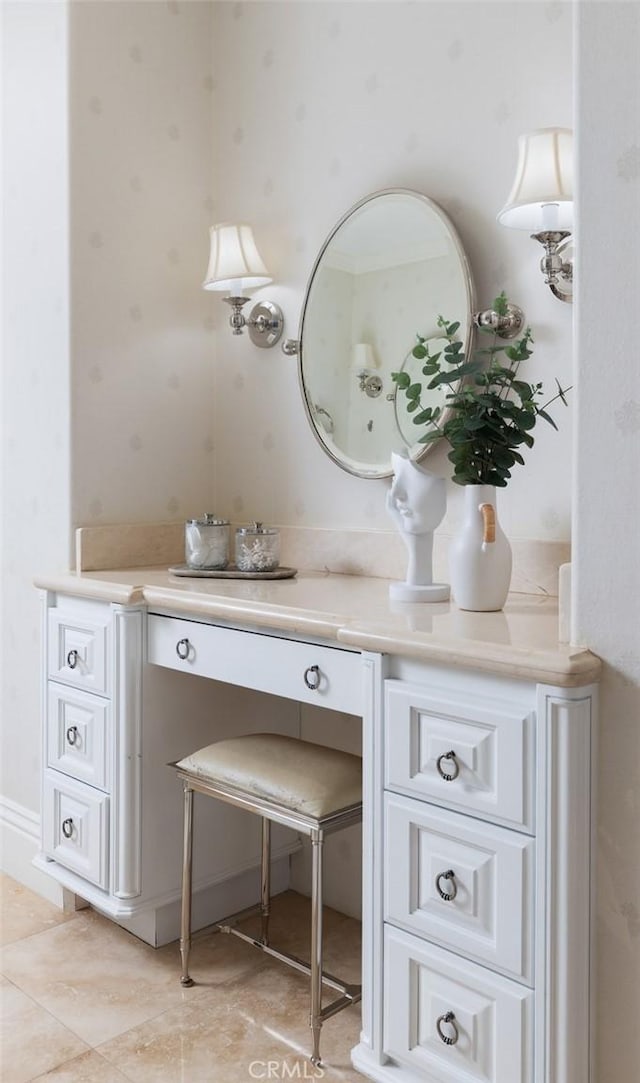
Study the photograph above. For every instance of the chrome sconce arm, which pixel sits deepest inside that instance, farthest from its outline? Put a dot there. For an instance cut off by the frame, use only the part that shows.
(265, 322)
(558, 273)
(237, 320)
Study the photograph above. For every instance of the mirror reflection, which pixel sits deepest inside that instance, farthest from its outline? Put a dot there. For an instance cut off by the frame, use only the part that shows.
(391, 266)
(430, 397)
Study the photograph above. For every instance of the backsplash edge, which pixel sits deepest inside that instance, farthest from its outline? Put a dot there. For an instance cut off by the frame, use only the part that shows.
(376, 553)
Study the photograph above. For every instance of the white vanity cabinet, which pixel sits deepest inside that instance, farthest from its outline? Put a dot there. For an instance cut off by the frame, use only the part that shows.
(477, 924)
(91, 712)
(77, 747)
(477, 784)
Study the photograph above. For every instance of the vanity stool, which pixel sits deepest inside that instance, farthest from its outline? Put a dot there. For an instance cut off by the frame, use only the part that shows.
(310, 788)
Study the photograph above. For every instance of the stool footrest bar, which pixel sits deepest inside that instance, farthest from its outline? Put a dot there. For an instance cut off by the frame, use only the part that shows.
(337, 1005)
(350, 992)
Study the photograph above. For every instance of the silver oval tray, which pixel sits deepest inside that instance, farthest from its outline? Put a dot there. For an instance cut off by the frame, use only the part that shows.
(230, 572)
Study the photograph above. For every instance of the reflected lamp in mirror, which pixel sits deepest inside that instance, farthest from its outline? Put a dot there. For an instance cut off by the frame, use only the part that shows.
(541, 201)
(235, 265)
(363, 362)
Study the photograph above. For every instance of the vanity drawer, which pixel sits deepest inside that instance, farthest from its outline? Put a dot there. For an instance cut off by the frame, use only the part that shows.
(471, 753)
(493, 1017)
(78, 650)
(490, 916)
(76, 827)
(264, 662)
(78, 734)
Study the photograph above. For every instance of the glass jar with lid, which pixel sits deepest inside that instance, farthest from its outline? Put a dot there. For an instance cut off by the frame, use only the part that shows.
(257, 548)
(206, 543)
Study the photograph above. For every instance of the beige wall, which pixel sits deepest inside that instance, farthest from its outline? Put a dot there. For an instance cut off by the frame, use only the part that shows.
(607, 509)
(319, 104)
(142, 128)
(35, 510)
(108, 366)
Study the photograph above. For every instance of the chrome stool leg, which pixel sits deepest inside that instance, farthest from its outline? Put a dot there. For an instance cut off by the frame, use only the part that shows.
(265, 878)
(315, 1020)
(187, 855)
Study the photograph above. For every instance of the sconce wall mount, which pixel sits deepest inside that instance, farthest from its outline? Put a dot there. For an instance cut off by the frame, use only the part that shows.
(505, 326)
(264, 324)
(370, 383)
(364, 362)
(558, 272)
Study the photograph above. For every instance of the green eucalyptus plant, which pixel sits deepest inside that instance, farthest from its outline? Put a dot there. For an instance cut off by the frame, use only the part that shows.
(490, 411)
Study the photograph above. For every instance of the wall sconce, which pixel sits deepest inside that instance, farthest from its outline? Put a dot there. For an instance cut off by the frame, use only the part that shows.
(236, 265)
(362, 361)
(541, 201)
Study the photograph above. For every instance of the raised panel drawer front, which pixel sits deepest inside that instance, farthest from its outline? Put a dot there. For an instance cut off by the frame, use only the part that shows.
(76, 825)
(466, 884)
(324, 676)
(78, 650)
(452, 1021)
(78, 734)
(472, 753)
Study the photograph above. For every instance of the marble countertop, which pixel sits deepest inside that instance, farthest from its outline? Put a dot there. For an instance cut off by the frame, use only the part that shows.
(520, 641)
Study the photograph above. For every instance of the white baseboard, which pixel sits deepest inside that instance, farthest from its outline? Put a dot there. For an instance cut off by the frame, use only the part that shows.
(19, 844)
(162, 926)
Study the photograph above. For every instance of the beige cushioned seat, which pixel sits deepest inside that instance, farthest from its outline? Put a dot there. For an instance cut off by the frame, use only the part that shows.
(297, 775)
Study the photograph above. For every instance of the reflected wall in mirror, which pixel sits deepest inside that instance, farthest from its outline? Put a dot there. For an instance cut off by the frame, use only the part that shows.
(390, 267)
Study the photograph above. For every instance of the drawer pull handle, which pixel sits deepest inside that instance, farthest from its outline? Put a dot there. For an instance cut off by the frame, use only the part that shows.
(449, 895)
(312, 678)
(454, 763)
(67, 828)
(182, 649)
(72, 659)
(450, 1019)
(72, 735)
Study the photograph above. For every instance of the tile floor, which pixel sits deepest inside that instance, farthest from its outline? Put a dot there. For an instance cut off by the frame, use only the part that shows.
(83, 1001)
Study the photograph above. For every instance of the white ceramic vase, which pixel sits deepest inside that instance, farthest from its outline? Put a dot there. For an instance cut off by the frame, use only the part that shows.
(480, 554)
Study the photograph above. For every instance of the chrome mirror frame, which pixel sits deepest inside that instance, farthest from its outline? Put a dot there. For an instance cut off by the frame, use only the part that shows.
(296, 346)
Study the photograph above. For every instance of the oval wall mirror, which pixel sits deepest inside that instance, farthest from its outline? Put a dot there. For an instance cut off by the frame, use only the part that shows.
(391, 266)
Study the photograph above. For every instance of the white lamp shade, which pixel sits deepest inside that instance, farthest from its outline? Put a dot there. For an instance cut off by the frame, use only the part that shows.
(542, 193)
(363, 357)
(234, 262)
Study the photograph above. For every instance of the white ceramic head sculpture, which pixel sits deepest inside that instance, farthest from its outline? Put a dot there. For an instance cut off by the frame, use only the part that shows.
(417, 501)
